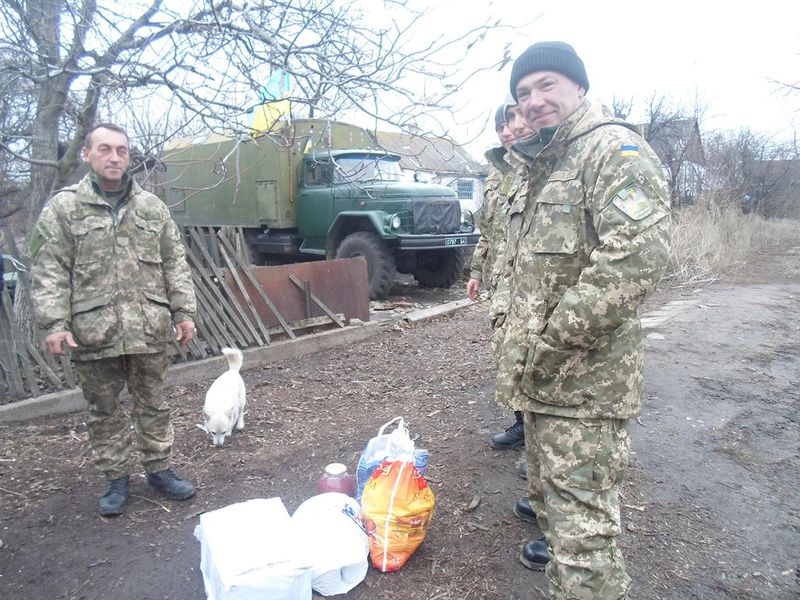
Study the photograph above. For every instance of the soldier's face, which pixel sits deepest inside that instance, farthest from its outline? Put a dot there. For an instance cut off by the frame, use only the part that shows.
(546, 98)
(517, 124)
(108, 157)
(505, 135)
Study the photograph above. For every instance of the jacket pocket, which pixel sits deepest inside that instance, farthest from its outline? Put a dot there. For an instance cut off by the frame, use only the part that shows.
(93, 240)
(546, 368)
(95, 323)
(157, 318)
(148, 239)
(147, 249)
(555, 228)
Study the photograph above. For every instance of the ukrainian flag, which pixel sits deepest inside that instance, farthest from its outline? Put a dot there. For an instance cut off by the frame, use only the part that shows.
(266, 115)
(275, 102)
(629, 151)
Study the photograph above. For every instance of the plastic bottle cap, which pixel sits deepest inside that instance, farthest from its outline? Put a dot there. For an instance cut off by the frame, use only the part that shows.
(336, 469)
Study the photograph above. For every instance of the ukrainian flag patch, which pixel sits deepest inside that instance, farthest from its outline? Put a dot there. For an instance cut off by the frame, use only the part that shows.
(629, 151)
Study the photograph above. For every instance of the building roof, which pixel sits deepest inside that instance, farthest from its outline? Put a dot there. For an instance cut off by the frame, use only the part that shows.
(675, 140)
(437, 154)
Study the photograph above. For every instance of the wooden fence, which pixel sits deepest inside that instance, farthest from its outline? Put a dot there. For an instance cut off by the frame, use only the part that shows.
(225, 316)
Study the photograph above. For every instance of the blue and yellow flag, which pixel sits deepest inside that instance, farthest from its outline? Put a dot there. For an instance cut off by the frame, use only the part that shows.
(629, 151)
(274, 96)
(266, 115)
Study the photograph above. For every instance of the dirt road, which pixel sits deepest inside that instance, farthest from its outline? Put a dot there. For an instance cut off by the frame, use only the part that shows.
(711, 503)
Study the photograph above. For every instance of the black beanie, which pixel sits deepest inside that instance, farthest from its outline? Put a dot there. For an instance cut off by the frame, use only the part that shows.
(500, 116)
(549, 56)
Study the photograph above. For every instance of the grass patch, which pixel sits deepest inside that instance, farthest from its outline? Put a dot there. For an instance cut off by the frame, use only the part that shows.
(712, 238)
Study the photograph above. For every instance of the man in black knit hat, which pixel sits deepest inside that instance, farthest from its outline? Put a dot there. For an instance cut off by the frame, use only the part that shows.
(586, 246)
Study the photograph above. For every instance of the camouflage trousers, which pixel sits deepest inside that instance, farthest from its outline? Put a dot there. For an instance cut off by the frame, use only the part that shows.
(110, 429)
(575, 468)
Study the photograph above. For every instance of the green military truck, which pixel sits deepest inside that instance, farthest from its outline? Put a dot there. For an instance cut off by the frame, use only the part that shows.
(320, 189)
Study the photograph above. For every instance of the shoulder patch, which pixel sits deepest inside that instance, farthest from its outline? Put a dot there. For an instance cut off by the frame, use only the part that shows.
(633, 202)
(629, 151)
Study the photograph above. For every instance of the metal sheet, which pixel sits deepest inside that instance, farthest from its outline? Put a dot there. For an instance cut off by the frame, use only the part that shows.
(341, 284)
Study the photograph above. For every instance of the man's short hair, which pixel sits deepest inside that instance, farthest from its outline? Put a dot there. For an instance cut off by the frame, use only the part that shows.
(87, 141)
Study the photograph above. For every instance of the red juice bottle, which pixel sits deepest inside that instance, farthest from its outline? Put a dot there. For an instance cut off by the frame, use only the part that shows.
(337, 479)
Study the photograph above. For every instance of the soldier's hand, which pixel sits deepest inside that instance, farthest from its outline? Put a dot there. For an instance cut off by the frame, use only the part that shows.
(473, 288)
(184, 332)
(54, 342)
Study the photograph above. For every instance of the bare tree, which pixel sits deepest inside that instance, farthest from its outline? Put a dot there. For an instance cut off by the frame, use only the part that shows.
(762, 175)
(621, 108)
(210, 58)
(674, 133)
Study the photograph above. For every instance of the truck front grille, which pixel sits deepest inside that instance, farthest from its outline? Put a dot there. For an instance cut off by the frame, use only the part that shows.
(436, 215)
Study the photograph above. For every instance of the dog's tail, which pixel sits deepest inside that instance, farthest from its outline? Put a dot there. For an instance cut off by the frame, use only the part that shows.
(234, 356)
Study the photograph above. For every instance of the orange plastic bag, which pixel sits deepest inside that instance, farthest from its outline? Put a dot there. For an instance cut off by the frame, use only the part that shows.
(396, 507)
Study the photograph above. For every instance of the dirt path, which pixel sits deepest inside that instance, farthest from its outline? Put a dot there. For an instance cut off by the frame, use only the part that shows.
(711, 504)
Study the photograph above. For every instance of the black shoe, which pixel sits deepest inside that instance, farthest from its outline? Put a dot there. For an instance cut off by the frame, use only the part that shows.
(522, 470)
(513, 437)
(535, 554)
(113, 501)
(524, 511)
(168, 484)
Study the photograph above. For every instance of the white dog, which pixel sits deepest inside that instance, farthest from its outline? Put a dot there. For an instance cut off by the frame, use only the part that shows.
(225, 399)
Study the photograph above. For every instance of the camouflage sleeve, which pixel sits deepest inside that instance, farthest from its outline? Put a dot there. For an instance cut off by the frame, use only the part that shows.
(629, 208)
(177, 275)
(51, 250)
(476, 268)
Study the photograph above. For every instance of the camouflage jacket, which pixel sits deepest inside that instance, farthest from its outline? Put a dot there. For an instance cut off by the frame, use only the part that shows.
(505, 240)
(484, 250)
(116, 278)
(505, 178)
(593, 240)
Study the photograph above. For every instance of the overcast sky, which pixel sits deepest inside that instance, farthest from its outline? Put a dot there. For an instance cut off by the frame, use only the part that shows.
(727, 55)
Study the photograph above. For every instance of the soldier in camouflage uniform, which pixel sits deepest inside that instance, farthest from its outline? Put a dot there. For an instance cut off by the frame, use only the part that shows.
(586, 246)
(506, 173)
(110, 280)
(497, 180)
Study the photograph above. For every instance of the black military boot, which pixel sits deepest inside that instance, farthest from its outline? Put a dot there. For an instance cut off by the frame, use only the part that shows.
(535, 554)
(113, 501)
(513, 437)
(169, 485)
(524, 511)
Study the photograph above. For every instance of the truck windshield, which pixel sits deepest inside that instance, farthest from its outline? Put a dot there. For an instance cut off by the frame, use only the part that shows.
(353, 169)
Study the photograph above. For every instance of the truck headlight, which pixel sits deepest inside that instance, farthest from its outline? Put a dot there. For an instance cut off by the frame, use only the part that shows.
(395, 222)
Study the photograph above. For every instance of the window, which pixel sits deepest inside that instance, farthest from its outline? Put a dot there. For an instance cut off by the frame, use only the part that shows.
(464, 188)
(365, 169)
(318, 173)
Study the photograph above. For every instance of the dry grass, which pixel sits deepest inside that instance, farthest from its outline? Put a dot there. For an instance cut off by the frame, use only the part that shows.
(713, 238)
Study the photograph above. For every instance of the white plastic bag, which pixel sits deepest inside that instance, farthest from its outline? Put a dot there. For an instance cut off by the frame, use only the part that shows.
(396, 445)
(335, 541)
(250, 551)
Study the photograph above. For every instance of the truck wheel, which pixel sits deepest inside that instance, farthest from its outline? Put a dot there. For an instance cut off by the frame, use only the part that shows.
(380, 261)
(439, 268)
(255, 256)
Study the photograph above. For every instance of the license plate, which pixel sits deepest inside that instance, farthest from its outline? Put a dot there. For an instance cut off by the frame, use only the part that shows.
(461, 241)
